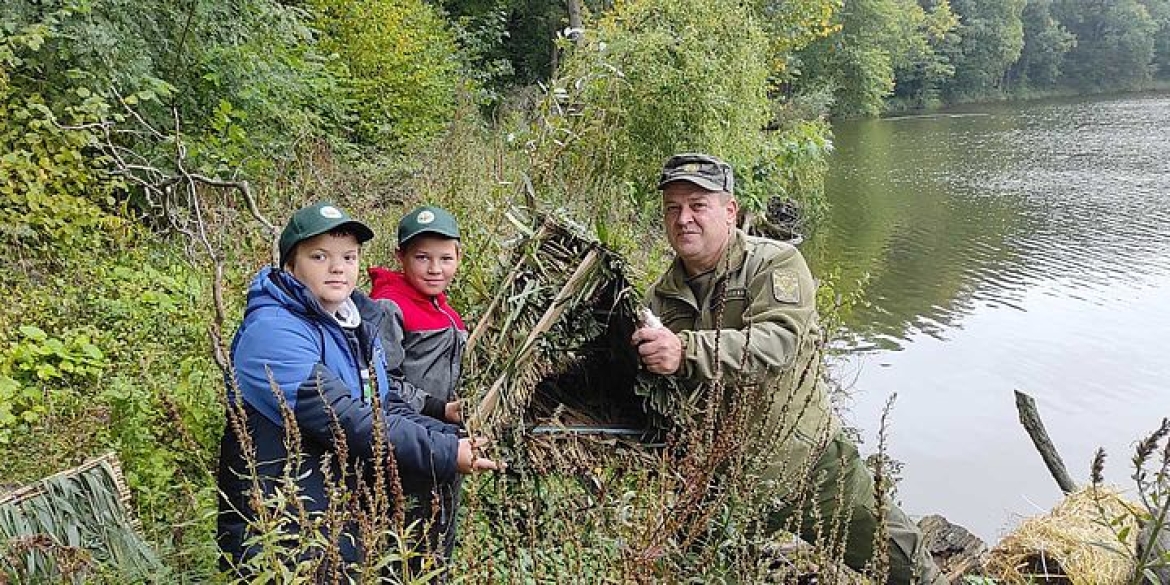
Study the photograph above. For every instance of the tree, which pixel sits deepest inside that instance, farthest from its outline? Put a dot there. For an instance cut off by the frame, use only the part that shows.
(1115, 43)
(927, 66)
(655, 77)
(399, 63)
(992, 34)
(1160, 12)
(244, 76)
(1046, 42)
(858, 63)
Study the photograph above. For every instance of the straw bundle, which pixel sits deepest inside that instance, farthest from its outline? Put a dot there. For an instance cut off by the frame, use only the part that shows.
(1074, 543)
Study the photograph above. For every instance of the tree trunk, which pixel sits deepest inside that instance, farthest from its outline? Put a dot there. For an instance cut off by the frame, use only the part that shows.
(576, 24)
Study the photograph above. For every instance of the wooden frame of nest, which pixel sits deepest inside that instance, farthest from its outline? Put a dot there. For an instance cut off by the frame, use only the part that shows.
(550, 365)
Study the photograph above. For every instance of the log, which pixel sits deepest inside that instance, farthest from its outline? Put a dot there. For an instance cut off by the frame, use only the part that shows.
(1030, 418)
(955, 550)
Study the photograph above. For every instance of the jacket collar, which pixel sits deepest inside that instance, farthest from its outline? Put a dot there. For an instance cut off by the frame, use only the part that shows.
(275, 286)
(382, 281)
(675, 282)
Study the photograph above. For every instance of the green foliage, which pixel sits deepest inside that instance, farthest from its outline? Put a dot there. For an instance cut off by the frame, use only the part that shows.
(37, 365)
(245, 77)
(520, 37)
(251, 85)
(927, 66)
(109, 349)
(1160, 13)
(1046, 42)
(110, 352)
(480, 38)
(930, 53)
(52, 190)
(793, 25)
(657, 77)
(877, 38)
(397, 60)
(1115, 43)
(992, 40)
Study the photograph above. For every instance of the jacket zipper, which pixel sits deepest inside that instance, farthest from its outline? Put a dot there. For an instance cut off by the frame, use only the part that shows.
(451, 358)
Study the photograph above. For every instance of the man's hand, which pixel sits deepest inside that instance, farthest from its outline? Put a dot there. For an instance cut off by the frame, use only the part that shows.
(453, 412)
(659, 349)
(470, 461)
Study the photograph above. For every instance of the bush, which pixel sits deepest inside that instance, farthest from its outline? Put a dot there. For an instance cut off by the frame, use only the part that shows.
(52, 189)
(397, 58)
(654, 78)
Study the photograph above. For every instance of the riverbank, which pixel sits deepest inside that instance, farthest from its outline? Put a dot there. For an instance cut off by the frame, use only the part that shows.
(898, 108)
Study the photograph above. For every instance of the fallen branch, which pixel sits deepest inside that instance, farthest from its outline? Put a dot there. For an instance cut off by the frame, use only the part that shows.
(1030, 418)
(178, 191)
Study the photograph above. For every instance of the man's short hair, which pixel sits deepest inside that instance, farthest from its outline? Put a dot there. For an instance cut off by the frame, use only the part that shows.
(703, 170)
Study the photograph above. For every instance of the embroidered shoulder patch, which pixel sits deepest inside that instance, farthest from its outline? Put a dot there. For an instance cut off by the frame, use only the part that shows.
(786, 286)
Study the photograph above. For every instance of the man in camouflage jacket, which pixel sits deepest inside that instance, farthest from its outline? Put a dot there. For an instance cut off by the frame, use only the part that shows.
(742, 310)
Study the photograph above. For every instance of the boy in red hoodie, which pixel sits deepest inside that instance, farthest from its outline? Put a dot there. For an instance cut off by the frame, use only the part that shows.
(429, 332)
(424, 338)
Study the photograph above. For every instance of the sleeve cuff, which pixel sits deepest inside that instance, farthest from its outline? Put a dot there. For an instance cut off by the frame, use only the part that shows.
(434, 408)
(684, 363)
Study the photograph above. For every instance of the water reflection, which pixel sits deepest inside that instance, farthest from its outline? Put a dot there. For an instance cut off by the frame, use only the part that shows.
(1006, 247)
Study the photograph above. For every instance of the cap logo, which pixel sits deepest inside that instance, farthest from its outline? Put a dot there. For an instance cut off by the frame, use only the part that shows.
(425, 217)
(692, 167)
(331, 212)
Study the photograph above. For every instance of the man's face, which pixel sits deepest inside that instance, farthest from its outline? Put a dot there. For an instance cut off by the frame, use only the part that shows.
(698, 223)
(328, 266)
(429, 263)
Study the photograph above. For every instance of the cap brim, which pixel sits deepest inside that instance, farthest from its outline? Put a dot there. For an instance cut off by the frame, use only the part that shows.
(436, 232)
(361, 230)
(704, 183)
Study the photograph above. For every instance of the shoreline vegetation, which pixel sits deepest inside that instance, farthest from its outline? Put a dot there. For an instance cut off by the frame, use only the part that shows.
(148, 149)
(895, 110)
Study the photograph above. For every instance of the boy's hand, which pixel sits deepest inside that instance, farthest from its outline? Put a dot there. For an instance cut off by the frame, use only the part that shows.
(453, 412)
(470, 462)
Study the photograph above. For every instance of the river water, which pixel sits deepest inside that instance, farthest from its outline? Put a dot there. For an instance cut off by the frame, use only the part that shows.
(1004, 247)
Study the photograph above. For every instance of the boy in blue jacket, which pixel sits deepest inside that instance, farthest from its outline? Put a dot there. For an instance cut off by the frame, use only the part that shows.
(308, 353)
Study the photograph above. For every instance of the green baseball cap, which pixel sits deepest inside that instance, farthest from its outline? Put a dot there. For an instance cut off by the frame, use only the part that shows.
(700, 169)
(317, 219)
(427, 220)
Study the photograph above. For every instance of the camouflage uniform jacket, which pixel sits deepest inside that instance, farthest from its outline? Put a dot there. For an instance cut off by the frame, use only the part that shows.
(754, 320)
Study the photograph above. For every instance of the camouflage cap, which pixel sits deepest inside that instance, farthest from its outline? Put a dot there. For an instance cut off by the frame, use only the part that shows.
(427, 219)
(315, 220)
(703, 170)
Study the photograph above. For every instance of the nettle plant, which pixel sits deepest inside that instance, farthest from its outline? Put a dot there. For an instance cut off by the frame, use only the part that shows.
(38, 368)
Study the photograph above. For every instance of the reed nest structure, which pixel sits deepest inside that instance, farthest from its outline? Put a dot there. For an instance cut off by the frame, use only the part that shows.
(64, 526)
(551, 368)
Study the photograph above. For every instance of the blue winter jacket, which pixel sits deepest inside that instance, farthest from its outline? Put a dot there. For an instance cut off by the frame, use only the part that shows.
(287, 344)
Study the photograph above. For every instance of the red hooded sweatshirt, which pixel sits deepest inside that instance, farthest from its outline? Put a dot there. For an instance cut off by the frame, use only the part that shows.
(424, 340)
